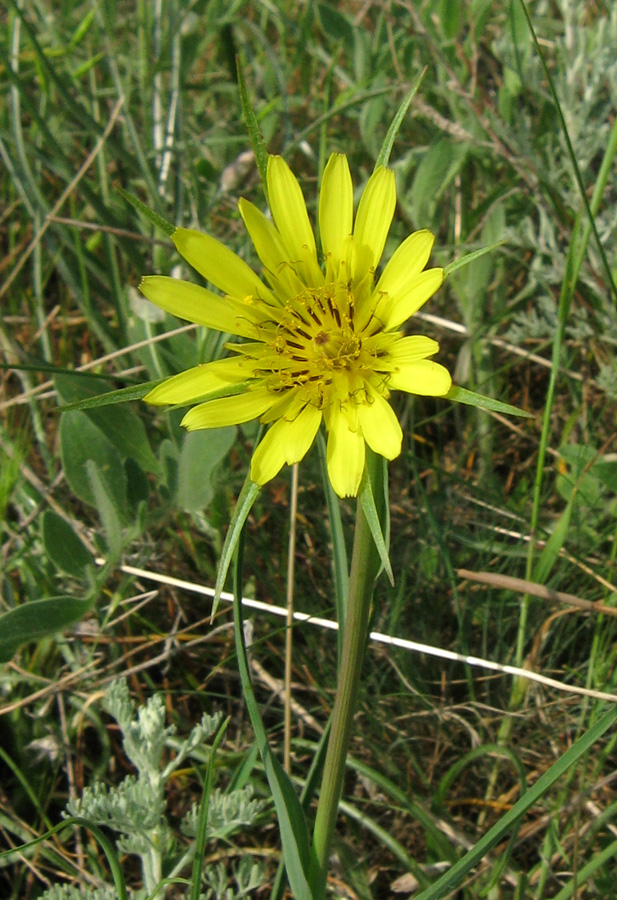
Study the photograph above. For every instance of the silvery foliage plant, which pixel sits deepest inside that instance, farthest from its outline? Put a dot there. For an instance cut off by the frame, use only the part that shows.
(136, 810)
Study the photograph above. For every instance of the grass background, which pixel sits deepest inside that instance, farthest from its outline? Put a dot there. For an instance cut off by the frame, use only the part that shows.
(143, 97)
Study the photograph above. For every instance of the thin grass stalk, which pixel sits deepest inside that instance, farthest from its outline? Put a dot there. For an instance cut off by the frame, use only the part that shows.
(574, 262)
(576, 255)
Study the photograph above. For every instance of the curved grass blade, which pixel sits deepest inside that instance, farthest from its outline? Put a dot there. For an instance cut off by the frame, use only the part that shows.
(485, 750)
(247, 498)
(291, 821)
(102, 839)
(202, 825)
(454, 877)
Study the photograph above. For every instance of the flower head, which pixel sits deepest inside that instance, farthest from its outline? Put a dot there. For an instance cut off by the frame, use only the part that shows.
(322, 342)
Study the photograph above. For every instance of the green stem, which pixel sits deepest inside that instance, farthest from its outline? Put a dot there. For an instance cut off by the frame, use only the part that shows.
(364, 566)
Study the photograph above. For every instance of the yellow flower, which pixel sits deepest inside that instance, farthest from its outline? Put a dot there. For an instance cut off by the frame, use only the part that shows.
(322, 342)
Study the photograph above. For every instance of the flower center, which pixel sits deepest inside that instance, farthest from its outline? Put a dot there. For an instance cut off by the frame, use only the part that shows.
(316, 344)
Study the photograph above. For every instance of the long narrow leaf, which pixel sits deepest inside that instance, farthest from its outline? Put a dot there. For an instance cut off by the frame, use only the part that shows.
(463, 261)
(257, 141)
(122, 395)
(292, 824)
(153, 217)
(372, 517)
(386, 148)
(202, 827)
(247, 498)
(554, 545)
(454, 877)
(470, 398)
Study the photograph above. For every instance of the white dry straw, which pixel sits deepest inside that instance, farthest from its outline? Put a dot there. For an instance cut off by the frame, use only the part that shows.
(376, 636)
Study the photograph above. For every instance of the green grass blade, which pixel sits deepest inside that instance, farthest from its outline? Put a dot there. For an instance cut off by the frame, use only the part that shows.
(292, 824)
(202, 825)
(584, 874)
(386, 148)
(252, 125)
(454, 877)
(102, 839)
(570, 148)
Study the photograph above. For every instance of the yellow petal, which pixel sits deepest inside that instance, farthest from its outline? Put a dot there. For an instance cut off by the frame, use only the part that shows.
(266, 239)
(380, 427)
(423, 377)
(197, 304)
(269, 246)
(407, 261)
(219, 265)
(373, 221)
(189, 386)
(291, 218)
(345, 454)
(409, 349)
(393, 311)
(288, 405)
(335, 211)
(285, 442)
(228, 410)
